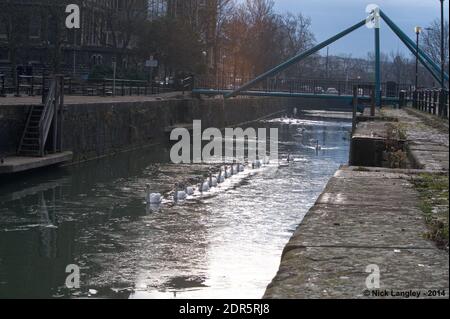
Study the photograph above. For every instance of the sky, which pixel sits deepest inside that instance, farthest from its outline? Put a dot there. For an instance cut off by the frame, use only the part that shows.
(332, 16)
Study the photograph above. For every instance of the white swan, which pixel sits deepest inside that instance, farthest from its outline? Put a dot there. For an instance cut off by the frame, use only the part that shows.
(290, 158)
(212, 182)
(228, 172)
(180, 193)
(190, 191)
(220, 177)
(153, 198)
(204, 187)
(266, 160)
(256, 164)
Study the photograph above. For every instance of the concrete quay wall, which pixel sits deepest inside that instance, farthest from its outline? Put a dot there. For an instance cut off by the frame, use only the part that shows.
(94, 130)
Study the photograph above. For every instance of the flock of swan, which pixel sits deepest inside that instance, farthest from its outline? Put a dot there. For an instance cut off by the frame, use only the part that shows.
(225, 173)
(182, 193)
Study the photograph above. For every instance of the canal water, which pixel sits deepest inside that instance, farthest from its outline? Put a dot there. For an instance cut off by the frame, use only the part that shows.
(226, 244)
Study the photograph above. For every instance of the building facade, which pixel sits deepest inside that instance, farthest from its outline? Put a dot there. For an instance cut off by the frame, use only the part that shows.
(33, 37)
(200, 14)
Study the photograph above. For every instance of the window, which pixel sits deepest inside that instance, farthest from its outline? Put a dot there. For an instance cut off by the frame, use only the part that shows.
(97, 59)
(3, 30)
(35, 26)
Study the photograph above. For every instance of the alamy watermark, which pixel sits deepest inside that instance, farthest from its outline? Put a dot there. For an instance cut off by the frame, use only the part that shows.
(73, 17)
(373, 285)
(73, 279)
(373, 20)
(220, 148)
(373, 280)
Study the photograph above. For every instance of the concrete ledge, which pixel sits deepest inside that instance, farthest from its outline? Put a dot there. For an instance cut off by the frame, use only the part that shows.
(339, 273)
(17, 164)
(365, 216)
(371, 216)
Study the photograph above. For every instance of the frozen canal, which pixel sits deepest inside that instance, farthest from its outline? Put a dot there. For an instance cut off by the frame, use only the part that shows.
(226, 245)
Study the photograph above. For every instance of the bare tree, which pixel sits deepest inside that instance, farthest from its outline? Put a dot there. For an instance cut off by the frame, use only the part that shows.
(401, 67)
(297, 38)
(124, 22)
(223, 13)
(432, 41)
(298, 33)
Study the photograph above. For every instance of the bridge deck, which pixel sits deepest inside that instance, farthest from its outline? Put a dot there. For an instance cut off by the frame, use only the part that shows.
(349, 98)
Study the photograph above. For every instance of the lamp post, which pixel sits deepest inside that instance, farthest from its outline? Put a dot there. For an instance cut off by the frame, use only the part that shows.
(205, 56)
(74, 52)
(223, 72)
(205, 61)
(418, 30)
(114, 64)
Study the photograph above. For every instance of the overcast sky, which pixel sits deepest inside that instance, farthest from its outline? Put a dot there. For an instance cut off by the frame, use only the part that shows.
(331, 16)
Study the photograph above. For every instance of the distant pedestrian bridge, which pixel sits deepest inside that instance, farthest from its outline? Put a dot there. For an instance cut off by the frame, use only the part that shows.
(272, 83)
(337, 93)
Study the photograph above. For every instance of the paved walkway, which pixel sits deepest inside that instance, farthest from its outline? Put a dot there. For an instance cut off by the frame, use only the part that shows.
(71, 99)
(427, 136)
(369, 216)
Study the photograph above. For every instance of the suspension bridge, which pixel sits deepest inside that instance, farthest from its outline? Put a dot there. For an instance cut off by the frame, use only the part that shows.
(268, 83)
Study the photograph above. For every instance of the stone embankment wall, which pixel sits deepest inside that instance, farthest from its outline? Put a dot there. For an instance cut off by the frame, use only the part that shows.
(96, 129)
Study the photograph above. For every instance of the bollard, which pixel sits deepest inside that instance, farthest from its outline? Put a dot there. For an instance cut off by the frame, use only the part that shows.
(429, 102)
(443, 109)
(2, 92)
(421, 100)
(32, 86)
(373, 103)
(402, 99)
(17, 86)
(418, 100)
(415, 100)
(355, 108)
(435, 102)
(424, 101)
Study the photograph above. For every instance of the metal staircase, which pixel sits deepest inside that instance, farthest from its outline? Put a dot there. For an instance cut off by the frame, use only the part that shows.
(29, 144)
(40, 120)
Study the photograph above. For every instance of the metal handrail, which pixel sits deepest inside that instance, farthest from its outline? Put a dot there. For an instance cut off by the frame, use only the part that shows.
(47, 116)
(433, 101)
